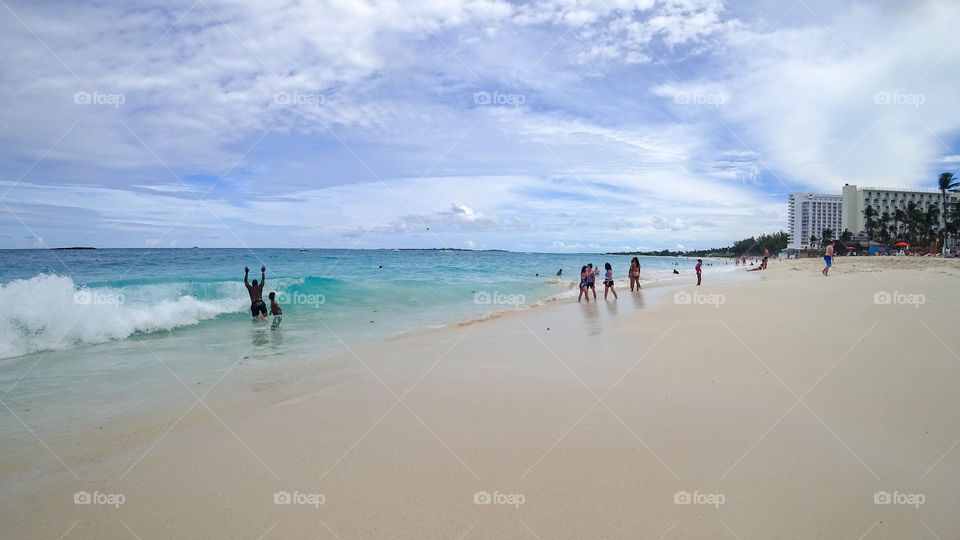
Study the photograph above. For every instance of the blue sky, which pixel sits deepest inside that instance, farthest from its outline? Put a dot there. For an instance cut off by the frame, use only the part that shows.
(554, 125)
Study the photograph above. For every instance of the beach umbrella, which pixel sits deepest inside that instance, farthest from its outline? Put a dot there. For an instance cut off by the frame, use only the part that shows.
(902, 244)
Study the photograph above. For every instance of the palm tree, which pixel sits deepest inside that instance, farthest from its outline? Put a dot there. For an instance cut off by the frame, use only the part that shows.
(900, 217)
(914, 217)
(886, 229)
(931, 222)
(813, 240)
(846, 236)
(826, 236)
(946, 182)
(870, 223)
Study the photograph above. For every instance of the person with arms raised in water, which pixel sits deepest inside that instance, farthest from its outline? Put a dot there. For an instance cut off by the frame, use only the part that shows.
(257, 307)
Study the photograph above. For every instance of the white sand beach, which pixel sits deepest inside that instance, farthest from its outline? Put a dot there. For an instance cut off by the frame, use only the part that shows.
(784, 407)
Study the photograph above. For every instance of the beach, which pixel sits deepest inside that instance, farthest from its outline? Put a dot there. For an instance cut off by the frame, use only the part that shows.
(786, 405)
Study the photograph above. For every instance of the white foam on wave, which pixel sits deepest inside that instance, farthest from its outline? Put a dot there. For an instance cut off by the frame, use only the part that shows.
(49, 312)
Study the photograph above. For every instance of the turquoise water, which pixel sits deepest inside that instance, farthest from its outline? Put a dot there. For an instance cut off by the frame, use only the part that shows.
(85, 323)
(60, 300)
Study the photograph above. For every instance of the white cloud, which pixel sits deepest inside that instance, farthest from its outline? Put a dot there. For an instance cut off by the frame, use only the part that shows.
(601, 144)
(668, 224)
(805, 98)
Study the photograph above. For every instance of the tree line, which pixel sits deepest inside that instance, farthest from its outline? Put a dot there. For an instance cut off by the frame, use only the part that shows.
(913, 224)
(755, 245)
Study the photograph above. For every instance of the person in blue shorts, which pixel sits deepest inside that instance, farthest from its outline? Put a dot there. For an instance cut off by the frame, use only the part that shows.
(828, 258)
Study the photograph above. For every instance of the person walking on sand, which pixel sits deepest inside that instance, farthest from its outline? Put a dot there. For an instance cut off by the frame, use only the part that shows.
(635, 273)
(608, 282)
(828, 258)
(699, 264)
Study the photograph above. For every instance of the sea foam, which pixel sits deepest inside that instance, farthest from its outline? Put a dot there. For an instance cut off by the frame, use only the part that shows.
(50, 312)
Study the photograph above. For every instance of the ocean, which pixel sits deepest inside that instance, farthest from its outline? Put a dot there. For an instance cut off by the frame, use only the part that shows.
(111, 328)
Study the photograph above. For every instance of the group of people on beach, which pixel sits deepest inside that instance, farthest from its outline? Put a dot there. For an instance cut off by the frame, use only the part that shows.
(588, 276)
(258, 309)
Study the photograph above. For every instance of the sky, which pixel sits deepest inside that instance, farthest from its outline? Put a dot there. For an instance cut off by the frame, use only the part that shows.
(552, 125)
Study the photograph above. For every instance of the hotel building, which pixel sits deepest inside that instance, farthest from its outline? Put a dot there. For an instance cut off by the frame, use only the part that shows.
(809, 214)
(856, 200)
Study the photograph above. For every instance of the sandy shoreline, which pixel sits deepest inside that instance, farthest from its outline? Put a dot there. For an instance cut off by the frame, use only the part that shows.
(793, 400)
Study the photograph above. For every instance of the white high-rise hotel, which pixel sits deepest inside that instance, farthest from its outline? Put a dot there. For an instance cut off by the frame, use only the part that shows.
(810, 213)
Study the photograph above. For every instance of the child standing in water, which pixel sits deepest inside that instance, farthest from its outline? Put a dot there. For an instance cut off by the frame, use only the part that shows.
(699, 263)
(592, 280)
(608, 282)
(275, 311)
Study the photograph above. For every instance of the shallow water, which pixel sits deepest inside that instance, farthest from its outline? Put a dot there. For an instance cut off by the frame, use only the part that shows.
(101, 332)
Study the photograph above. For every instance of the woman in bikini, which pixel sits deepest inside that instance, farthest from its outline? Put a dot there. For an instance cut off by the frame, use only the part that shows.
(583, 285)
(608, 282)
(635, 273)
